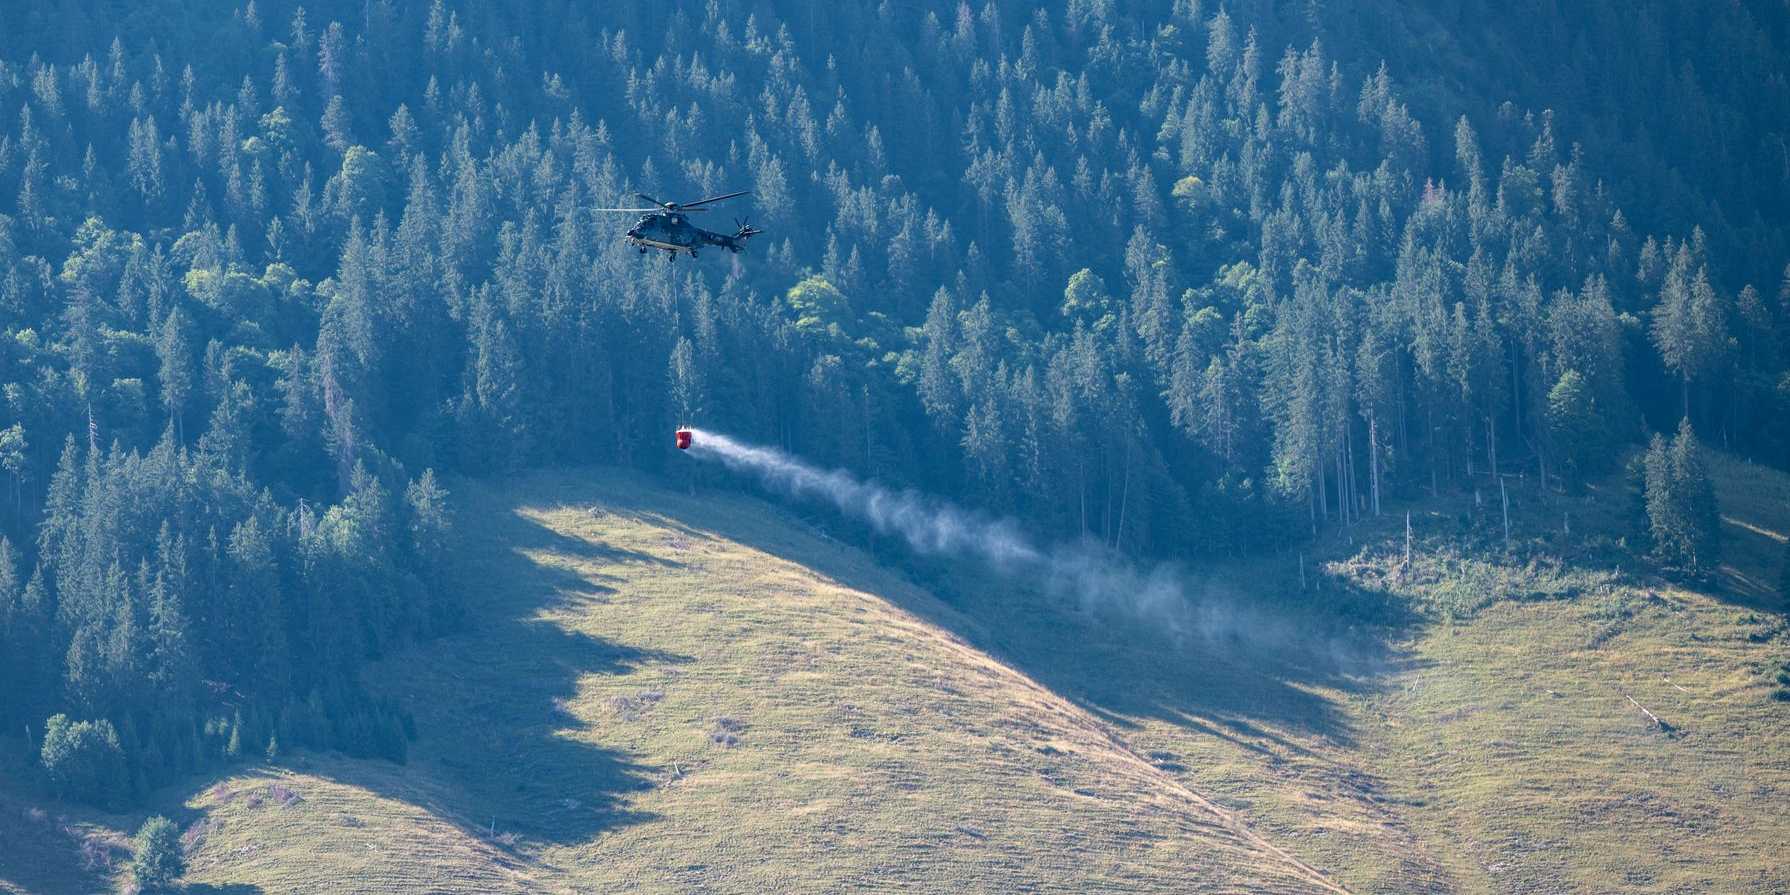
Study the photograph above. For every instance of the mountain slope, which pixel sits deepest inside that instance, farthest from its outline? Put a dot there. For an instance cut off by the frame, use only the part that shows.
(665, 692)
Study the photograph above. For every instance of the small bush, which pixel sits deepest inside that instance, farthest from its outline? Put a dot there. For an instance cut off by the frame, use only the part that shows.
(158, 862)
(283, 796)
(726, 732)
(1615, 607)
(630, 708)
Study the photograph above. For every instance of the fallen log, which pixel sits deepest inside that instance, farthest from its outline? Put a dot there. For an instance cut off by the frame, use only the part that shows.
(1663, 726)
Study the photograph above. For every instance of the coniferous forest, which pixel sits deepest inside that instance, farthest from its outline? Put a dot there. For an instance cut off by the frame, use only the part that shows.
(1182, 278)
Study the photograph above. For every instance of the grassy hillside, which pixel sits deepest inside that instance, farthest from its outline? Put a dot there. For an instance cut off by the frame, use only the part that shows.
(664, 692)
(667, 691)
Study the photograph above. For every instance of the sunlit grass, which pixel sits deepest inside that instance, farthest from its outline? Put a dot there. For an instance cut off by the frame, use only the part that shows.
(665, 691)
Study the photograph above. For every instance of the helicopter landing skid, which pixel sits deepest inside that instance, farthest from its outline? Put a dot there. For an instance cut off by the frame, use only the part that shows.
(646, 245)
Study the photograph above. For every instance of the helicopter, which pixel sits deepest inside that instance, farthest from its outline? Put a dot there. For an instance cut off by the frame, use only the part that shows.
(665, 227)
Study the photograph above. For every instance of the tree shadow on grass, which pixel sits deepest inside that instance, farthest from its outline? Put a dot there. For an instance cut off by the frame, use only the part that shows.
(1251, 669)
(491, 700)
(1604, 529)
(44, 853)
(1248, 667)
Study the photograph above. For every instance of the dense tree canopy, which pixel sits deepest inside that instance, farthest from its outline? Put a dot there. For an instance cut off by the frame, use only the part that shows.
(1183, 277)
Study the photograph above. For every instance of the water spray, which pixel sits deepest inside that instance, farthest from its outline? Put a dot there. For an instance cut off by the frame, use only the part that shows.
(1096, 577)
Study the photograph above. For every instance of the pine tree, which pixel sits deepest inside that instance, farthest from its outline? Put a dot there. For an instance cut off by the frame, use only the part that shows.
(233, 747)
(1684, 521)
(332, 56)
(12, 459)
(1576, 429)
(145, 163)
(13, 632)
(285, 86)
(1688, 326)
(406, 138)
(171, 670)
(336, 125)
(1702, 513)
(429, 527)
(1184, 382)
(175, 375)
(939, 393)
(297, 406)
(496, 386)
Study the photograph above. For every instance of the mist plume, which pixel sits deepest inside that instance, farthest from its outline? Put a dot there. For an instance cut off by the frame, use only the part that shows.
(1101, 580)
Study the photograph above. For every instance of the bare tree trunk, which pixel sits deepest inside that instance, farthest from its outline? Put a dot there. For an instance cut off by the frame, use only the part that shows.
(1404, 429)
(1107, 498)
(1516, 395)
(1342, 509)
(1081, 491)
(1504, 498)
(1491, 440)
(1467, 440)
(1429, 441)
(1124, 497)
(1373, 449)
(1349, 474)
(1323, 491)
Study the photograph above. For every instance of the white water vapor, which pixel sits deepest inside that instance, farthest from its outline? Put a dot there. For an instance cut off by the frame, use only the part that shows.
(1164, 596)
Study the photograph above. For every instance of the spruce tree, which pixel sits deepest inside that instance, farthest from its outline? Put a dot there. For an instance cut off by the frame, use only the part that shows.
(12, 459)
(12, 633)
(1702, 513)
(175, 375)
(1684, 521)
(1575, 429)
(336, 125)
(1688, 327)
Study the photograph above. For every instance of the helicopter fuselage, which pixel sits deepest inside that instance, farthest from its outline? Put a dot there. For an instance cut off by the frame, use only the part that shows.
(673, 233)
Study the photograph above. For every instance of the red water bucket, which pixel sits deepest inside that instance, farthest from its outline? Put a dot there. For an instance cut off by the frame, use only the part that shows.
(684, 437)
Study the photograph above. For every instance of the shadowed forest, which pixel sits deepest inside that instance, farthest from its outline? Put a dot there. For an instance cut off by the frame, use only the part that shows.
(1181, 279)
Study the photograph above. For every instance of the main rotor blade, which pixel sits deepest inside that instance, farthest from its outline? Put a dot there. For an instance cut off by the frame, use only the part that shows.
(652, 200)
(715, 199)
(628, 209)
